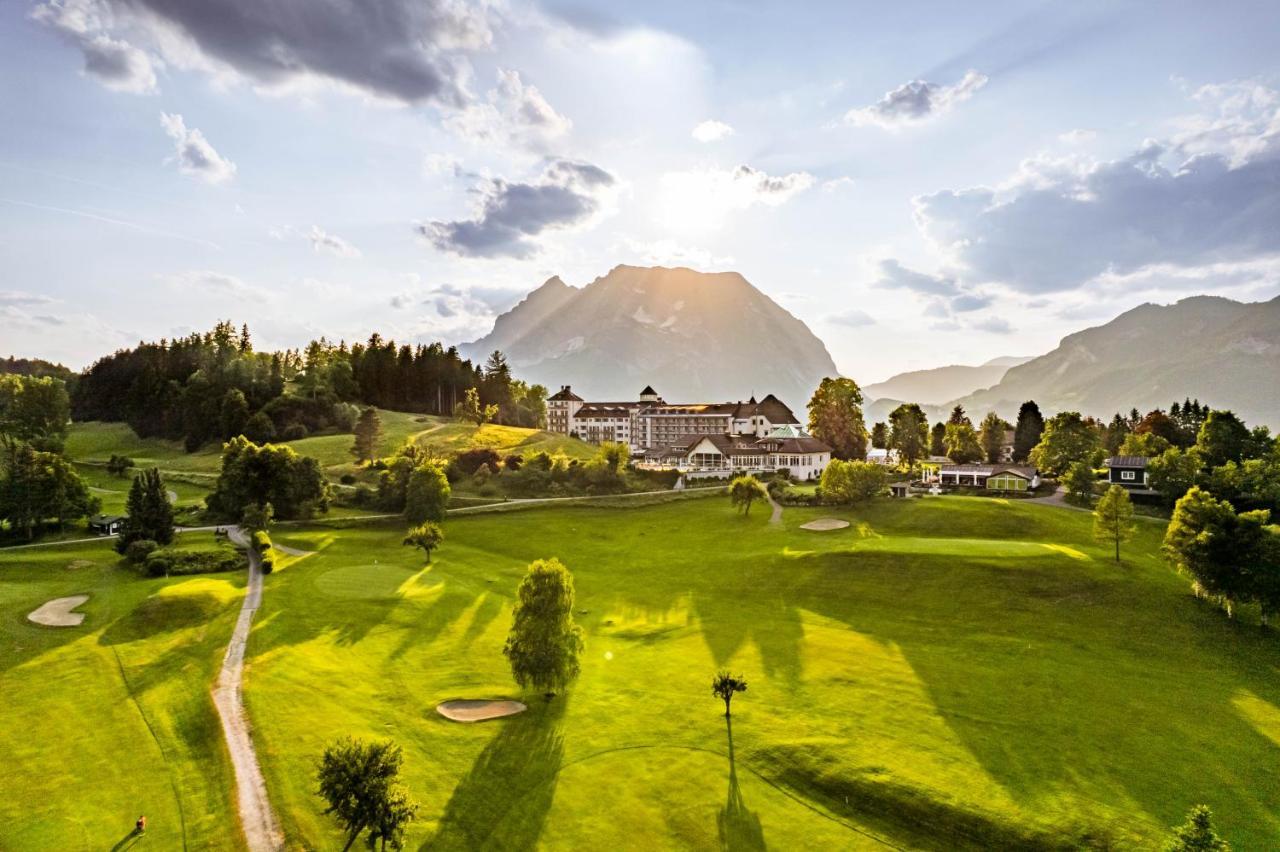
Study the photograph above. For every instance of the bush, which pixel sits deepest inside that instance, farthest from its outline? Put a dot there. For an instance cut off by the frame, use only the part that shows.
(488, 490)
(513, 461)
(139, 549)
(482, 474)
(268, 564)
(469, 461)
(179, 563)
(119, 465)
(294, 432)
(348, 479)
(261, 541)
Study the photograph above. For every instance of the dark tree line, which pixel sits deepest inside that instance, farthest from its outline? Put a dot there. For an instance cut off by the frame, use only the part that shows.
(215, 386)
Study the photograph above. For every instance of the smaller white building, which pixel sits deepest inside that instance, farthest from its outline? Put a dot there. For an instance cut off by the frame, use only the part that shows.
(706, 456)
(888, 458)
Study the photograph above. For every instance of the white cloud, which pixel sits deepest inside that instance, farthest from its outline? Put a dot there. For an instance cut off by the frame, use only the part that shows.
(194, 154)
(320, 239)
(916, 102)
(703, 198)
(515, 114)
(118, 64)
(712, 131)
(1205, 197)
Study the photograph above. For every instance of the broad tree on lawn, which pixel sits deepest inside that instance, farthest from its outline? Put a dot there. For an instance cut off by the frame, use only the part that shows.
(149, 512)
(1113, 518)
(427, 536)
(368, 433)
(357, 779)
(725, 685)
(848, 482)
(426, 495)
(835, 418)
(1079, 481)
(1067, 439)
(1197, 834)
(544, 644)
(909, 432)
(1208, 542)
(745, 490)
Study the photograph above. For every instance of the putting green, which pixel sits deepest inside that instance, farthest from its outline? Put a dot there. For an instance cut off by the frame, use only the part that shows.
(383, 581)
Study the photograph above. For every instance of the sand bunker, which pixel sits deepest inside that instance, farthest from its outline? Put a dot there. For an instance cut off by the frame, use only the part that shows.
(474, 710)
(825, 525)
(57, 612)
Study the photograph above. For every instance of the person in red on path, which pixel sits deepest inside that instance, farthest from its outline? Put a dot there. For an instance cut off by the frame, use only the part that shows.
(141, 825)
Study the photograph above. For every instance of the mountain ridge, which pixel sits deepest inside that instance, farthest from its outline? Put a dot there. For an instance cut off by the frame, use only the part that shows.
(694, 336)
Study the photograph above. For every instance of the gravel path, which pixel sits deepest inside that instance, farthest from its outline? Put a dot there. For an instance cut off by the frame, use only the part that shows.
(261, 828)
(776, 517)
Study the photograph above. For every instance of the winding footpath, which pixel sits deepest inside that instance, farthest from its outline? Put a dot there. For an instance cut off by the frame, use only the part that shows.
(261, 828)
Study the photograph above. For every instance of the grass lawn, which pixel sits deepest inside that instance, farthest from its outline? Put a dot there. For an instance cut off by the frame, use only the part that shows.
(946, 673)
(111, 719)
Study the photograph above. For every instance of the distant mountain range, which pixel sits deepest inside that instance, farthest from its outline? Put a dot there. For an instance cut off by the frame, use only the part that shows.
(941, 384)
(1224, 352)
(694, 336)
(699, 337)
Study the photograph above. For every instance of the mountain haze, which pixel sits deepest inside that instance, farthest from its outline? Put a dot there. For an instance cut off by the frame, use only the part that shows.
(694, 336)
(1224, 352)
(941, 384)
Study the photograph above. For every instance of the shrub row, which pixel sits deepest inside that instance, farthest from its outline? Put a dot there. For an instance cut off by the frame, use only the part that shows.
(262, 544)
(177, 563)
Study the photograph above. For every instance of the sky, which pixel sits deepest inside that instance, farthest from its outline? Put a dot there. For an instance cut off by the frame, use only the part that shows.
(923, 183)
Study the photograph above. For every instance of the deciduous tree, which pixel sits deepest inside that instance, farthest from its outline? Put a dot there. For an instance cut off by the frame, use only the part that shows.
(544, 644)
(909, 432)
(1223, 438)
(745, 490)
(357, 780)
(426, 496)
(1113, 518)
(427, 536)
(991, 436)
(1079, 481)
(847, 482)
(835, 418)
(1067, 439)
(962, 442)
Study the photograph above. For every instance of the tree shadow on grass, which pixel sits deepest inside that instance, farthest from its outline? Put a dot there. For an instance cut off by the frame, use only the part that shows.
(163, 614)
(503, 801)
(1051, 694)
(739, 827)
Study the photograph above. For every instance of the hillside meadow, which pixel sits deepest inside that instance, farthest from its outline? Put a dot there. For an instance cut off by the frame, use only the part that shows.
(95, 442)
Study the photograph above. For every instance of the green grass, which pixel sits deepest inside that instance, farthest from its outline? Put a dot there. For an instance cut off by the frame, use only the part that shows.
(111, 719)
(946, 673)
(96, 442)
